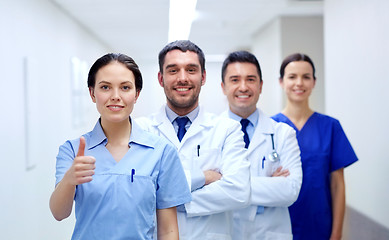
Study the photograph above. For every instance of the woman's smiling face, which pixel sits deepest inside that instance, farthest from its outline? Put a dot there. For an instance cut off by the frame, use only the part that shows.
(114, 92)
(298, 81)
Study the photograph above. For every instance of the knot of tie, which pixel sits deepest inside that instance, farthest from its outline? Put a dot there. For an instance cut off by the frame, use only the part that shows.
(245, 123)
(181, 122)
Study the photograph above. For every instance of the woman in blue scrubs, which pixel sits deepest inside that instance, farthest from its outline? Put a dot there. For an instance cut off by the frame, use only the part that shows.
(119, 176)
(325, 151)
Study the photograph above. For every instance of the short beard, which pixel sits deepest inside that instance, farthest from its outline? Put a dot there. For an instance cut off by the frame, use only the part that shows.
(185, 105)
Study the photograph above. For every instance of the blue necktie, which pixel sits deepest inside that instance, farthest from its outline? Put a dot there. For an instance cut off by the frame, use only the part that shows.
(245, 123)
(181, 122)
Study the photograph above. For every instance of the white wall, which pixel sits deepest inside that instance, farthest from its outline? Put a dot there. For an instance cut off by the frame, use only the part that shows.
(33, 126)
(280, 38)
(267, 48)
(152, 95)
(305, 35)
(356, 50)
(211, 97)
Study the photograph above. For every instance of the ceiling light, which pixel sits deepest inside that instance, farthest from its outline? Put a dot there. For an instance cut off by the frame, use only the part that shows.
(181, 16)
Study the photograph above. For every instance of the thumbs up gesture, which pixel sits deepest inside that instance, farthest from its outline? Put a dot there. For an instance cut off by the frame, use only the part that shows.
(82, 168)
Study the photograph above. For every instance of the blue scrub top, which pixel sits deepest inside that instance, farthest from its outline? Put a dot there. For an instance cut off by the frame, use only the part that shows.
(121, 200)
(324, 148)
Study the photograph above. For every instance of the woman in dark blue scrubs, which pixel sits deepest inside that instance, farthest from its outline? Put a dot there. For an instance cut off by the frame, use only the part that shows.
(325, 151)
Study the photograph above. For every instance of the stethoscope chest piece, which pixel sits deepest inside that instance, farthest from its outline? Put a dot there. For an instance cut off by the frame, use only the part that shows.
(273, 156)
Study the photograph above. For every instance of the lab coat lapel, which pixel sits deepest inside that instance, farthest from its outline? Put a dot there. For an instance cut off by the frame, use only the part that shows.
(263, 129)
(165, 127)
(197, 126)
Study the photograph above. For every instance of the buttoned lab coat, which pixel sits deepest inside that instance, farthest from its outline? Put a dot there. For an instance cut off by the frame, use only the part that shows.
(208, 215)
(274, 193)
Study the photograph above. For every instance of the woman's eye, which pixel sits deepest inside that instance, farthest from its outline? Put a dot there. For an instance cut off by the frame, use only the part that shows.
(104, 87)
(126, 88)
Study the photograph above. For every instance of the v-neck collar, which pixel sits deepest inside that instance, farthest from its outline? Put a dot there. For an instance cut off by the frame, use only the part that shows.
(137, 136)
(294, 126)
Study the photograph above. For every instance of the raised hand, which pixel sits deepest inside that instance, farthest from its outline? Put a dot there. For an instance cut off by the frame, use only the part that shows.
(82, 168)
(81, 171)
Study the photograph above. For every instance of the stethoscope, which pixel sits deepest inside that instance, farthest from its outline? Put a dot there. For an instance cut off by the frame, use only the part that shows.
(273, 156)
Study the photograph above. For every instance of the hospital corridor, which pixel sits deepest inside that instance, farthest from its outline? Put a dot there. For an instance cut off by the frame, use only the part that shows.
(48, 47)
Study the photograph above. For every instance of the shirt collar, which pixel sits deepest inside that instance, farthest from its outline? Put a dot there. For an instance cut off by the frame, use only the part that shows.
(253, 118)
(141, 137)
(171, 115)
(97, 135)
(137, 136)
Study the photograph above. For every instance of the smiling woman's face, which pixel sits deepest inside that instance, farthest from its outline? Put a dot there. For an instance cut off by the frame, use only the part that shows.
(298, 81)
(114, 92)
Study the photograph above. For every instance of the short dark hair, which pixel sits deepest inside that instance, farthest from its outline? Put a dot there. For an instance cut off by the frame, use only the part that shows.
(242, 57)
(127, 61)
(294, 58)
(183, 45)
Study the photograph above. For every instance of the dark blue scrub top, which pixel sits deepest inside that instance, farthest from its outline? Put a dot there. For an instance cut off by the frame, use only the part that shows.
(324, 148)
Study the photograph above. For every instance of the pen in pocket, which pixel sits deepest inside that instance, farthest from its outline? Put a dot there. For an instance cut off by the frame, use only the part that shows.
(198, 150)
(263, 162)
(132, 175)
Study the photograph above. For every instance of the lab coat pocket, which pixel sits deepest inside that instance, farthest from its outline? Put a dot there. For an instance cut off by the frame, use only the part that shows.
(269, 167)
(207, 159)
